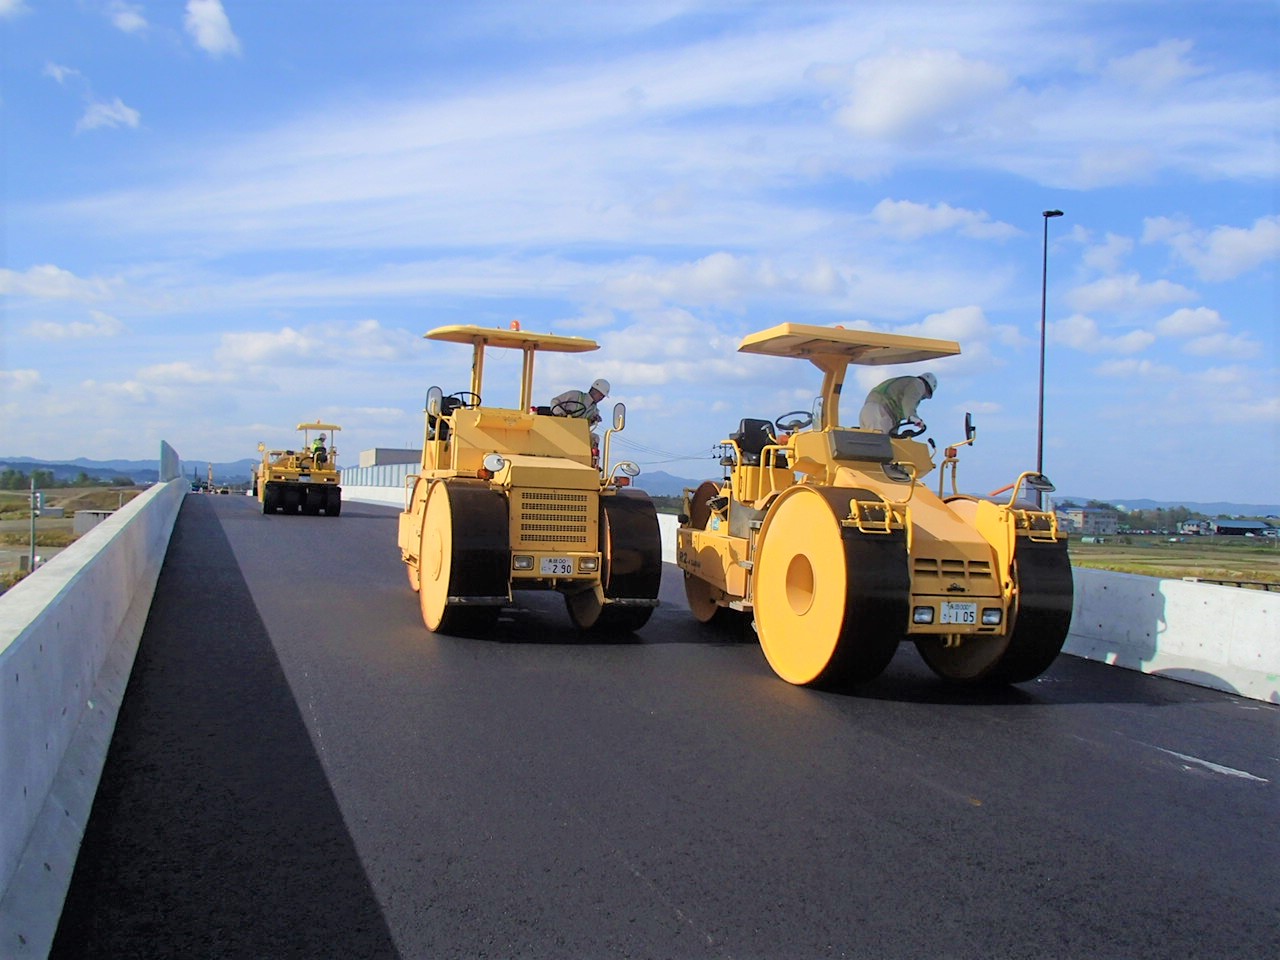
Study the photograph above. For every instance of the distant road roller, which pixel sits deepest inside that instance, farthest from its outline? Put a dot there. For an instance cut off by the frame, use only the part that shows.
(516, 498)
(828, 538)
(305, 480)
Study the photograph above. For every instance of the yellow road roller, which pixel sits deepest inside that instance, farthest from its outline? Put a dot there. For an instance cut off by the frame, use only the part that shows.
(520, 498)
(829, 538)
(305, 480)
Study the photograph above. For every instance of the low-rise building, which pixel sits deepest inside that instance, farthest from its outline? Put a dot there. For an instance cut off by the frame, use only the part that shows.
(1240, 528)
(1095, 521)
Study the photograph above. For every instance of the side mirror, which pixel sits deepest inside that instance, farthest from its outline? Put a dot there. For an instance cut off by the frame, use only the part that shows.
(619, 415)
(261, 447)
(970, 431)
(1038, 481)
(817, 413)
(435, 397)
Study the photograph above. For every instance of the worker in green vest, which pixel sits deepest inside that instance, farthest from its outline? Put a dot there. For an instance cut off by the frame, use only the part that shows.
(895, 400)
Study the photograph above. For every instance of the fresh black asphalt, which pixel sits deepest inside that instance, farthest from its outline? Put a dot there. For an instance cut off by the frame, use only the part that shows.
(301, 770)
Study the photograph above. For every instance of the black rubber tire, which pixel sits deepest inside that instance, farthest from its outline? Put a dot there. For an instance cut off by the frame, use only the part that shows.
(478, 561)
(631, 568)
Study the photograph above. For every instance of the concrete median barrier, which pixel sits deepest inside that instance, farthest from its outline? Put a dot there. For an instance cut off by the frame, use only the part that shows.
(68, 635)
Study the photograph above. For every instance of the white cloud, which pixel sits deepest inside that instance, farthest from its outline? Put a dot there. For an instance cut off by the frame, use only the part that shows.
(1191, 322)
(103, 325)
(720, 278)
(910, 221)
(919, 95)
(128, 17)
(208, 25)
(1108, 255)
(181, 373)
(13, 8)
(1082, 333)
(114, 114)
(1222, 253)
(1136, 369)
(60, 73)
(1238, 347)
(47, 282)
(1126, 293)
(1153, 69)
(15, 380)
(318, 343)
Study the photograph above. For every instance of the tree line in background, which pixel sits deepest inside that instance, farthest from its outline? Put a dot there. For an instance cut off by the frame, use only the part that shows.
(11, 479)
(1158, 519)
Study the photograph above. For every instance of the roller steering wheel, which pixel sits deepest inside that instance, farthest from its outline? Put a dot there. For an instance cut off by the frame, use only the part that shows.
(803, 418)
(903, 430)
(569, 408)
(466, 398)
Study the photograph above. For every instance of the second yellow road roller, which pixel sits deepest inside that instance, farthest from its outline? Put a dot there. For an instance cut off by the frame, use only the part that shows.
(829, 539)
(521, 498)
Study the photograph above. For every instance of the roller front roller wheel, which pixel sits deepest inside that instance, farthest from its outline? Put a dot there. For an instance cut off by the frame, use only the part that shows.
(631, 566)
(462, 554)
(830, 602)
(1041, 620)
(333, 502)
(702, 597)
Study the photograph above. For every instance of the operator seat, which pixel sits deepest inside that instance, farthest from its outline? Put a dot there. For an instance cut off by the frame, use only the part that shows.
(752, 437)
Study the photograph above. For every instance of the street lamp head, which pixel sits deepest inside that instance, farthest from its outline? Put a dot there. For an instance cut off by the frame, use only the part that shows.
(1052, 213)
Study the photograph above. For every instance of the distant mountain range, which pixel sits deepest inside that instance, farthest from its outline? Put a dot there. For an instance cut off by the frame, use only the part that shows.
(1217, 509)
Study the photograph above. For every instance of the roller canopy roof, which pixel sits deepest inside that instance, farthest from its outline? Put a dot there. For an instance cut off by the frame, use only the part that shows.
(317, 426)
(855, 346)
(513, 339)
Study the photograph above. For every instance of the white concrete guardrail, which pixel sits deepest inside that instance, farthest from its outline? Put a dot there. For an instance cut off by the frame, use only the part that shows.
(68, 635)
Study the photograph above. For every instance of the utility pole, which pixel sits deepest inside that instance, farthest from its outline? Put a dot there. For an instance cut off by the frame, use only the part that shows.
(35, 512)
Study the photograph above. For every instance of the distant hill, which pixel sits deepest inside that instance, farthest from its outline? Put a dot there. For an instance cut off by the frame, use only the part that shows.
(1215, 509)
(658, 483)
(139, 471)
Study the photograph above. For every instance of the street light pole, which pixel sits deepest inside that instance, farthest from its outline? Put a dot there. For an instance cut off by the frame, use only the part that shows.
(1044, 287)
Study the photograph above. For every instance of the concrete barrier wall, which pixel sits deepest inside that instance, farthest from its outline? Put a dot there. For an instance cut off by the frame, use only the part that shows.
(68, 635)
(1222, 637)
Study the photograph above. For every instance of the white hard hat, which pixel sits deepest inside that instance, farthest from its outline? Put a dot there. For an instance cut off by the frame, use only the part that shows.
(601, 385)
(930, 381)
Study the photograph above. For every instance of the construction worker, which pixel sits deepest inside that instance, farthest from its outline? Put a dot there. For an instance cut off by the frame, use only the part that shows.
(318, 452)
(579, 403)
(896, 400)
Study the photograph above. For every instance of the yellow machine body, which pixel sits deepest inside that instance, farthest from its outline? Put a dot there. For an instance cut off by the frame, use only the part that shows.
(305, 480)
(517, 498)
(829, 538)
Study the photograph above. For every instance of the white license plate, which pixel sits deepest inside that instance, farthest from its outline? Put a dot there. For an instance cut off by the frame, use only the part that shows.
(304, 477)
(556, 566)
(959, 613)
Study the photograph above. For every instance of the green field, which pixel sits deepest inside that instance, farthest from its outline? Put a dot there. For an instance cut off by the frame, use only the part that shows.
(1210, 558)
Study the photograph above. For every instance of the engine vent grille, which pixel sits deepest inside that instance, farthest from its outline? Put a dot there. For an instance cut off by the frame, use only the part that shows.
(552, 517)
(953, 569)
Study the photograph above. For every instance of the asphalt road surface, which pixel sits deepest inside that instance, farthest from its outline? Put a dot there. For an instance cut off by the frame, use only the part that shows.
(301, 770)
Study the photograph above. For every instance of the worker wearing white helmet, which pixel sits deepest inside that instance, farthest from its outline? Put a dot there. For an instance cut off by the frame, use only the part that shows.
(896, 400)
(581, 403)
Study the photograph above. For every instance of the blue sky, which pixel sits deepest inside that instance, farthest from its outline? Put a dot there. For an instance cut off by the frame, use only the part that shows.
(222, 218)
